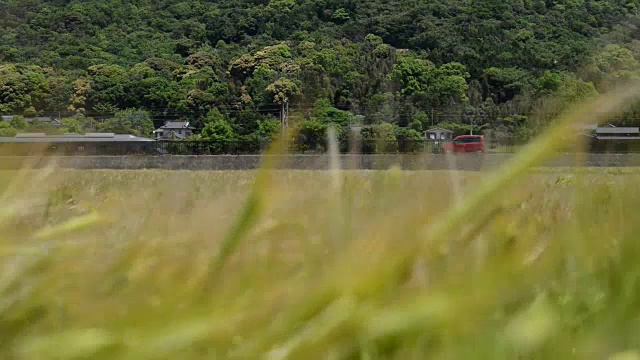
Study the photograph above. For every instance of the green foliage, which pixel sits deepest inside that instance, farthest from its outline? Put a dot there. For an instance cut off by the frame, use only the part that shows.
(380, 138)
(324, 112)
(268, 129)
(218, 128)
(247, 121)
(613, 64)
(75, 125)
(340, 16)
(312, 136)
(22, 88)
(257, 85)
(574, 90)
(130, 121)
(283, 89)
(381, 59)
(424, 81)
(457, 128)
(30, 112)
(416, 125)
(420, 118)
(550, 82)
(409, 139)
(503, 84)
(6, 130)
(18, 122)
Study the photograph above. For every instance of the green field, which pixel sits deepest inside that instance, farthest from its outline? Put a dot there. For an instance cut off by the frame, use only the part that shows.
(305, 265)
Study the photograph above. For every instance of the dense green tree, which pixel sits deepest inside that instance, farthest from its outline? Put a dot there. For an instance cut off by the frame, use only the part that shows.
(268, 128)
(325, 112)
(6, 130)
(283, 90)
(420, 121)
(472, 62)
(18, 122)
(409, 139)
(379, 138)
(312, 136)
(75, 125)
(422, 81)
(107, 88)
(218, 128)
(130, 121)
(219, 131)
(613, 64)
(22, 87)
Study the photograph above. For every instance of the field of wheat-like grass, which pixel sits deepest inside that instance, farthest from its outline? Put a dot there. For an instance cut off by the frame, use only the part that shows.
(306, 264)
(515, 263)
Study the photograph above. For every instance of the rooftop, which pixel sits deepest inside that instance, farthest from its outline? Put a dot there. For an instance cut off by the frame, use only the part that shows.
(618, 130)
(617, 137)
(176, 125)
(438, 129)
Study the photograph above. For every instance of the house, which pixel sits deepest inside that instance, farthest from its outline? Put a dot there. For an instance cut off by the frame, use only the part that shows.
(608, 132)
(173, 130)
(438, 134)
(609, 138)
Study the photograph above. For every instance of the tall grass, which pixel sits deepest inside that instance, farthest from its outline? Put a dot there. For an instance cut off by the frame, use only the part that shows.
(324, 265)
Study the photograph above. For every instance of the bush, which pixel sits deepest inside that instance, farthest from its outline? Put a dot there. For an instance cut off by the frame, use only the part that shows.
(130, 121)
(18, 122)
(379, 138)
(220, 132)
(457, 128)
(409, 140)
(6, 130)
(312, 136)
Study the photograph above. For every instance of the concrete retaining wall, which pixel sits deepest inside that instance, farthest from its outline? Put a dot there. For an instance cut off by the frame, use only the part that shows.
(309, 162)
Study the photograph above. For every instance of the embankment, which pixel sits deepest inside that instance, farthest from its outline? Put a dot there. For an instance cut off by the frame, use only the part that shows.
(306, 162)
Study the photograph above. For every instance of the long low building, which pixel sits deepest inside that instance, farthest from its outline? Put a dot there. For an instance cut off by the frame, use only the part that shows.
(65, 138)
(76, 144)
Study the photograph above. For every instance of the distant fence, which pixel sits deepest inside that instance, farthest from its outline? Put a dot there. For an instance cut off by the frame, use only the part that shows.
(361, 147)
(229, 148)
(486, 162)
(255, 146)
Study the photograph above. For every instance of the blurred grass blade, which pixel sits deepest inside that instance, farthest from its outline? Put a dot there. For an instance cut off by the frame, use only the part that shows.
(250, 212)
(69, 345)
(76, 224)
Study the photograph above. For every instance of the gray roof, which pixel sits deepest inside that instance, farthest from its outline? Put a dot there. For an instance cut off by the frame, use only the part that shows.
(176, 125)
(617, 137)
(89, 137)
(438, 129)
(586, 126)
(618, 130)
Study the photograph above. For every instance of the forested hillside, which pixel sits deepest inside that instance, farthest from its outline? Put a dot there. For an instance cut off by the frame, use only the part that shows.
(229, 65)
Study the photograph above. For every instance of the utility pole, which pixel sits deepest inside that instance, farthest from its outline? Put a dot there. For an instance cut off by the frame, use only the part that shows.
(432, 117)
(286, 114)
(284, 118)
